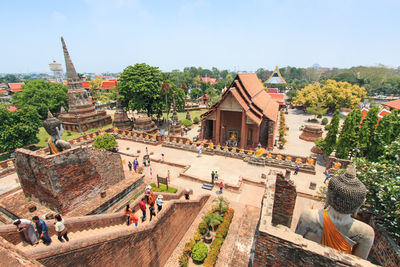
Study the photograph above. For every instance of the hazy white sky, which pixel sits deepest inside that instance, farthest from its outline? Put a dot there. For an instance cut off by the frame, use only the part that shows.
(108, 35)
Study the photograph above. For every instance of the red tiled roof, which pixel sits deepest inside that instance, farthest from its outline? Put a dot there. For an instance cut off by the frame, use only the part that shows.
(209, 80)
(12, 108)
(15, 87)
(392, 104)
(280, 98)
(250, 93)
(205, 96)
(364, 111)
(107, 84)
(272, 90)
(383, 112)
(3, 92)
(86, 84)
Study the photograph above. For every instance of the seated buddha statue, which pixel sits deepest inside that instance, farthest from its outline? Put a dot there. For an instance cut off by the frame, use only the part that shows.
(232, 139)
(55, 129)
(334, 226)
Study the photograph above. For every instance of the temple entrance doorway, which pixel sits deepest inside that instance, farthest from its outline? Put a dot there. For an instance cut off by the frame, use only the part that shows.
(209, 129)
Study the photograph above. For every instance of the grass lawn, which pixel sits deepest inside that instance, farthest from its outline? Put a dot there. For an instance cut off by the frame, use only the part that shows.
(163, 188)
(67, 135)
(182, 115)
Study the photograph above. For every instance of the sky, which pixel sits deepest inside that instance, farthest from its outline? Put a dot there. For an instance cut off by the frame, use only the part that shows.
(109, 35)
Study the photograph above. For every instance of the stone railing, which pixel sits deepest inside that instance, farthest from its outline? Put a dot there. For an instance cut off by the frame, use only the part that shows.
(279, 160)
(152, 139)
(7, 166)
(333, 164)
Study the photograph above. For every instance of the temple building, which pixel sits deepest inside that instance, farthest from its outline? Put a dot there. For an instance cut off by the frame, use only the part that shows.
(245, 116)
(275, 78)
(81, 115)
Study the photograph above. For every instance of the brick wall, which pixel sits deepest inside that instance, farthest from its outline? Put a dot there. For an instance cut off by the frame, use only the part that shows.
(11, 257)
(151, 245)
(284, 200)
(65, 180)
(271, 250)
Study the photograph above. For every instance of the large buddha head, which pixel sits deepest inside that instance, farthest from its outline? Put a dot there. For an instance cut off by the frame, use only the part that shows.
(346, 193)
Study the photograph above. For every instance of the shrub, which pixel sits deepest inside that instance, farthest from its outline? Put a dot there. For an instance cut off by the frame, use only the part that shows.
(186, 123)
(196, 120)
(219, 239)
(69, 133)
(324, 121)
(222, 204)
(199, 252)
(183, 260)
(105, 141)
(319, 116)
(188, 247)
(197, 236)
(313, 120)
(203, 228)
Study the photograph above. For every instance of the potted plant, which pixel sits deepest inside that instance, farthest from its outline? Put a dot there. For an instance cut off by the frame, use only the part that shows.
(207, 238)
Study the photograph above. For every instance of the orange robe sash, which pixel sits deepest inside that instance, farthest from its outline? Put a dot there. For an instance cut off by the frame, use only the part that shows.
(331, 237)
(52, 147)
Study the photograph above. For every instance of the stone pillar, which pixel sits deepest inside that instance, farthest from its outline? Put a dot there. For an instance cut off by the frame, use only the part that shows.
(284, 200)
(202, 130)
(256, 134)
(270, 137)
(218, 127)
(243, 131)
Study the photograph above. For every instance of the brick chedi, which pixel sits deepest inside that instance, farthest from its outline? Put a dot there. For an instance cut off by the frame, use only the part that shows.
(65, 180)
(284, 200)
(81, 114)
(121, 119)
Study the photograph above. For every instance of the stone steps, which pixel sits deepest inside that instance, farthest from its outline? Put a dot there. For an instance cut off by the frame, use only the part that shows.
(207, 186)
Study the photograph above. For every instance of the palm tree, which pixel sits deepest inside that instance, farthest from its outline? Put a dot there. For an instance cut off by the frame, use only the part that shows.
(213, 220)
(222, 204)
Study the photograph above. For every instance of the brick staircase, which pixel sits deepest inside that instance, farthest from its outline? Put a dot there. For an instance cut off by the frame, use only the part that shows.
(80, 235)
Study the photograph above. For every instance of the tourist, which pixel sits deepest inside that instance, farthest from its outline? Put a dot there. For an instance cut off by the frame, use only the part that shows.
(127, 213)
(144, 161)
(60, 228)
(147, 192)
(42, 229)
(328, 175)
(142, 206)
(212, 177)
(148, 160)
(216, 176)
(130, 166)
(297, 169)
(159, 203)
(162, 156)
(134, 165)
(221, 186)
(137, 163)
(187, 192)
(152, 211)
(152, 198)
(133, 218)
(26, 226)
(151, 172)
(147, 151)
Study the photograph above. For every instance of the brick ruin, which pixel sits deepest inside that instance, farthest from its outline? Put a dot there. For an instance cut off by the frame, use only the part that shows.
(311, 133)
(65, 180)
(277, 245)
(284, 200)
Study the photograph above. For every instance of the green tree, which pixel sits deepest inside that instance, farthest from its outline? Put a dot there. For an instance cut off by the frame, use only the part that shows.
(381, 179)
(348, 137)
(140, 89)
(105, 141)
(367, 130)
(195, 93)
(9, 78)
(43, 96)
(18, 128)
(329, 143)
(316, 109)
